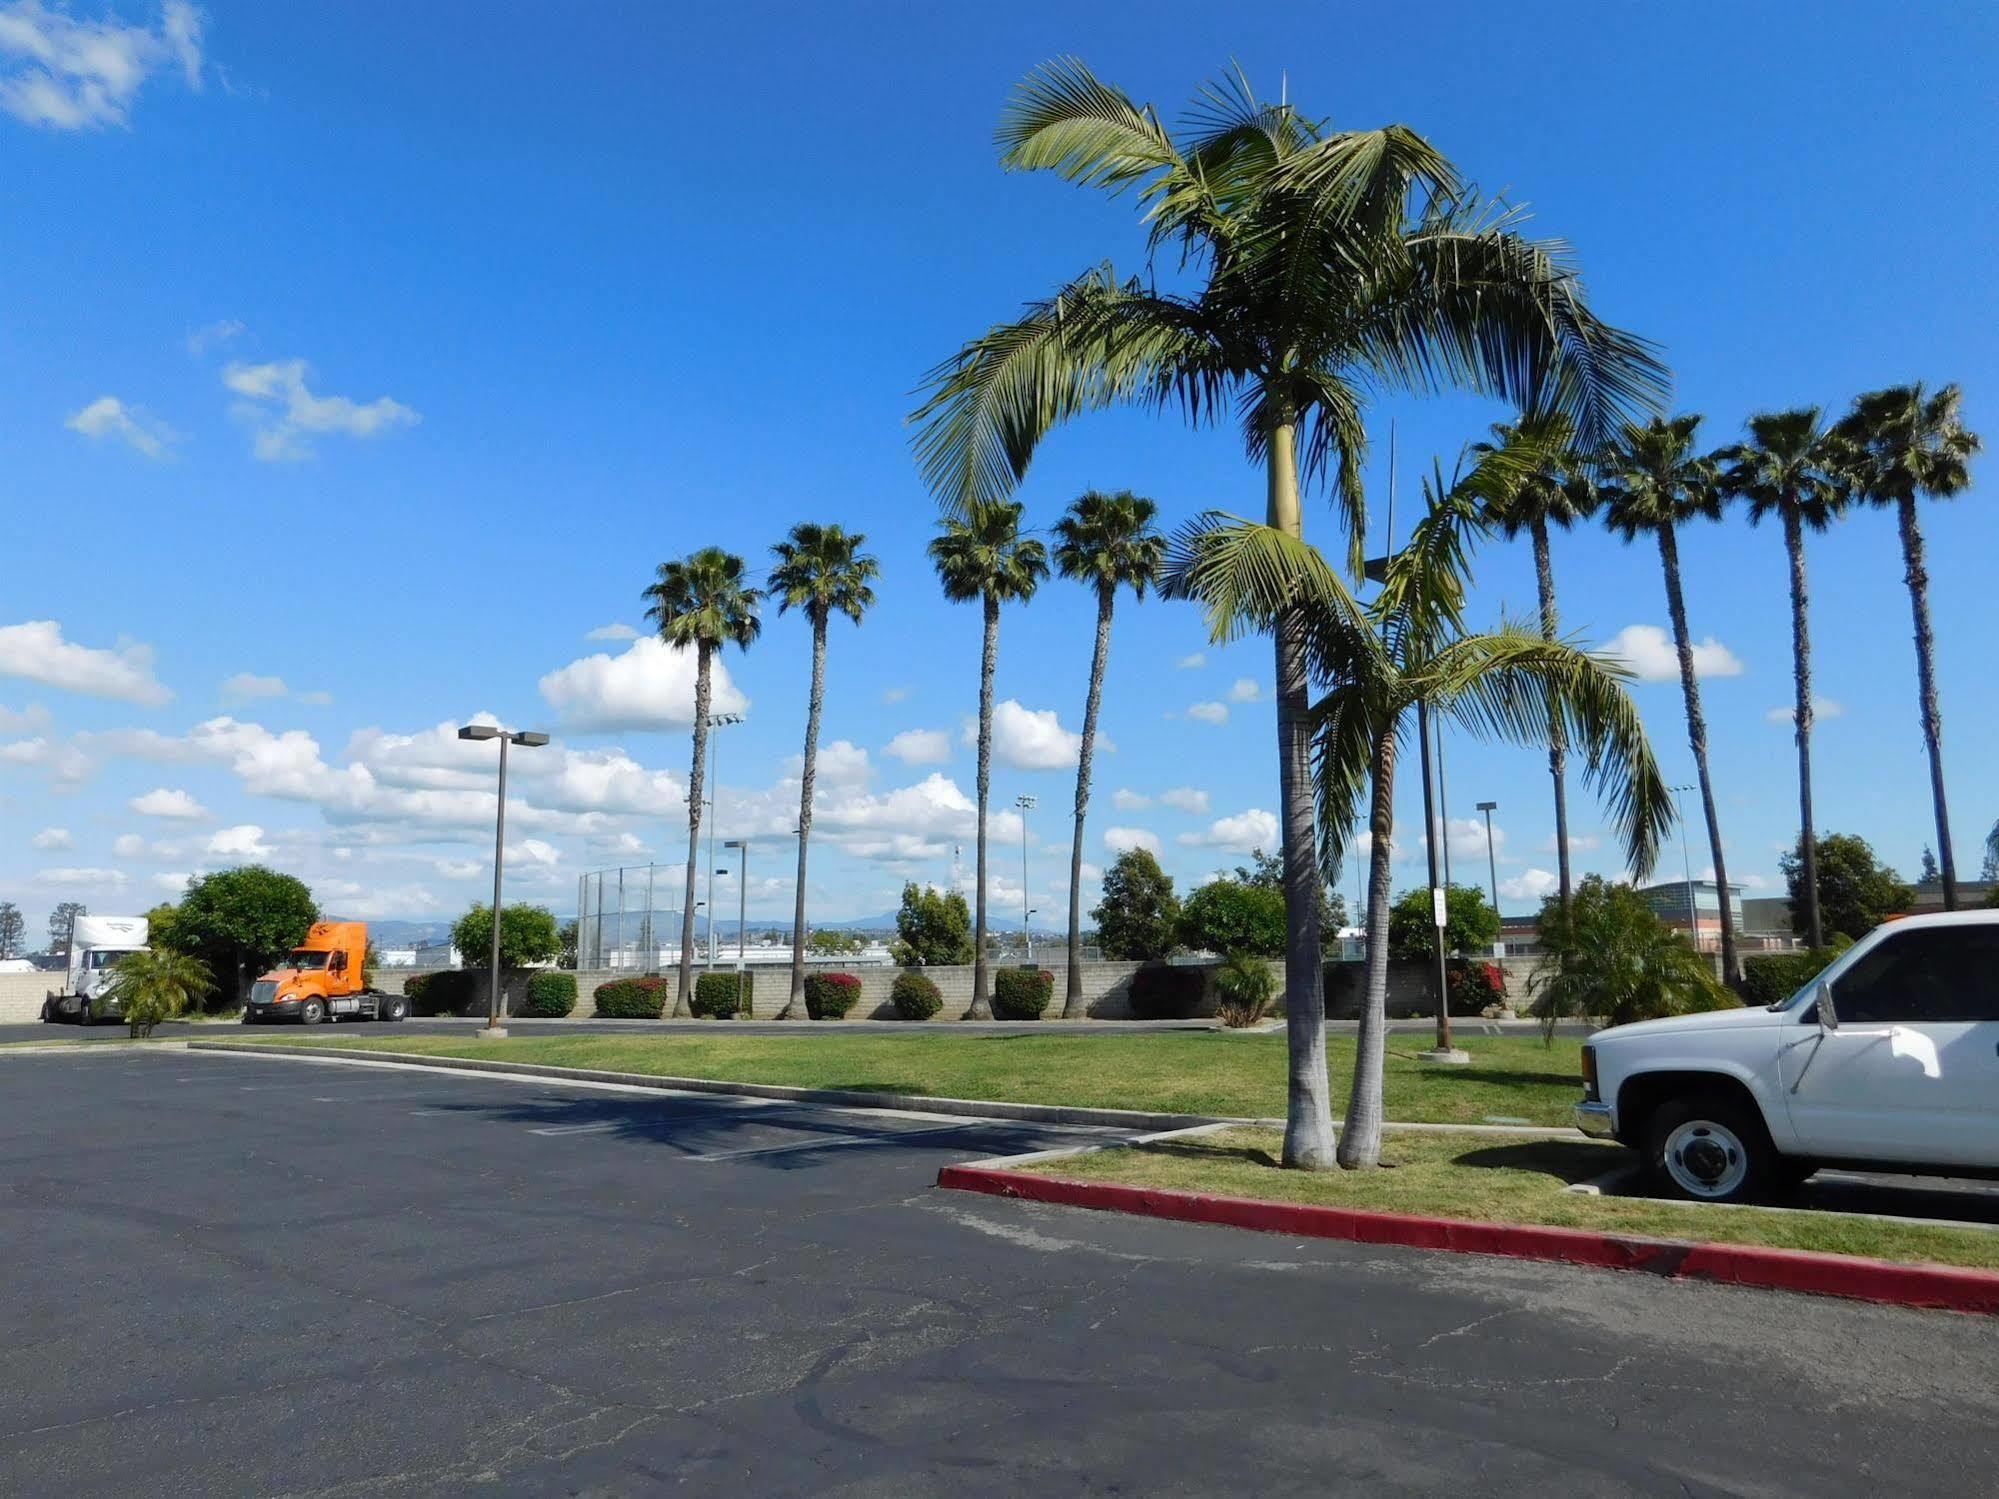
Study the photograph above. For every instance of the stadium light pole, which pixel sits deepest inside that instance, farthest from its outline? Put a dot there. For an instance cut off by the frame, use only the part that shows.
(1491, 862)
(1026, 805)
(527, 740)
(1687, 867)
(742, 846)
(715, 721)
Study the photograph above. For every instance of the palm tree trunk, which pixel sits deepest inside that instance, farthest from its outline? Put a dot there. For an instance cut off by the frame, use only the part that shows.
(1918, 579)
(982, 1006)
(1308, 1117)
(1801, 672)
(794, 1003)
(1558, 738)
(1676, 603)
(1360, 1140)
(1072, 1001)
(683, 990)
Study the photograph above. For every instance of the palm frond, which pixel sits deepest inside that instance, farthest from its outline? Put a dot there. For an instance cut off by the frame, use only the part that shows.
(1244, 575)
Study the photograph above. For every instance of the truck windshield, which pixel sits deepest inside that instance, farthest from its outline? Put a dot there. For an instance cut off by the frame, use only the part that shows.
(97, 960)
(305, 957)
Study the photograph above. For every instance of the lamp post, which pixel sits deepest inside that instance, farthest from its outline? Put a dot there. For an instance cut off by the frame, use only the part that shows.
(1491, 861)
(1687, 866)
(715, 721)
(1026, 805)
(741, 845)
(527, 740)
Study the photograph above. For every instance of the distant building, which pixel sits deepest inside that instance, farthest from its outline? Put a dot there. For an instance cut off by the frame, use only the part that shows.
(1971, 894)
(1767, 916)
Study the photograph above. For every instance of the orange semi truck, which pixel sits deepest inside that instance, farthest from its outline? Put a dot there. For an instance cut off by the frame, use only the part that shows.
(324, 979)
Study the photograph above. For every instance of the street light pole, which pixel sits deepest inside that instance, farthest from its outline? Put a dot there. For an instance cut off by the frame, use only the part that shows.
(742, 846)
(1491, 860)
(1687, 867)
(715, 721)
(1444, 1050)
(528, 740)
(1026, 805)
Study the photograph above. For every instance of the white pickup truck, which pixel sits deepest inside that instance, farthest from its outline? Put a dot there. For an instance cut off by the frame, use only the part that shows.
(1887, 1061)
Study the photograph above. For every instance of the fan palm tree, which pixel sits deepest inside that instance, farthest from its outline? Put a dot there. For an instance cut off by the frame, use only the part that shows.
(982, 556)
(1653, 483)
(703, 602)
(1793, 468)
(1910, 443)
(1408, 647)
(1318, 266)
(1107, 541)
(1557, 491)
(822, 571)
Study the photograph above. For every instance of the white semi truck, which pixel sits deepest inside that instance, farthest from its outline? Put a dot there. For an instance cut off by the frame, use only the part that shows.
(96, 944)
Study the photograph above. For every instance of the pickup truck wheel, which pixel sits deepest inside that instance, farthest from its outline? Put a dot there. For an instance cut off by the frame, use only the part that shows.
(1708, 1148)
(311, 1012)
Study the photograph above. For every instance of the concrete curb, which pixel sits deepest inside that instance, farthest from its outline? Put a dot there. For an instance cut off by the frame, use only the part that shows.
(1937, 1286)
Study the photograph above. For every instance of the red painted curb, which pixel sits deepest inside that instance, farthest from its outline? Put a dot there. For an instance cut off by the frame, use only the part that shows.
(1942, 1286)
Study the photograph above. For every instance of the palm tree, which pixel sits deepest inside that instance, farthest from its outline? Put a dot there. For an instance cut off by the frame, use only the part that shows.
(703, 602)
(1409, 647)
(1653, 482)
(1107, 541)
(821, 570)
(157, 984)
(1910, 443)
(1557, 491)
(1325, 265)
(1792, 468)
(982, 555)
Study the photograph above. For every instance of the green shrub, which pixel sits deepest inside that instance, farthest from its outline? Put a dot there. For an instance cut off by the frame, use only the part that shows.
(914, 996)
(828, 996)
(1474, 985)
(632, 999)
(1769, 978)
(719, 996)
(550, 996)
(1021, 993)
(1167, 992)
(1244, 986)
(450, 991)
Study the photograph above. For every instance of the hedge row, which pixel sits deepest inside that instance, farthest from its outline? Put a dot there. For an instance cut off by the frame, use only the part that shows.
(551, 996)
(1021, 993)
(915, 995)
(1770, 977)
(452, 991)
(633, 999)
(828, 996)
(720, 996)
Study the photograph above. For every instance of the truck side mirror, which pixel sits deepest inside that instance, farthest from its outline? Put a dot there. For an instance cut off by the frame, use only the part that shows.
(1828, 1015)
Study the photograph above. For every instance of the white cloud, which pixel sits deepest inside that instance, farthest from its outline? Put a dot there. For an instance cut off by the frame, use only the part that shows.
(1243, 832)
(1123, 840)
(1186, 799)
(173, 884)
(211, 335)
(894, 694)
(1746, 881)
(248, 685)
(1130, 801)
(37, 651)
(245, 841)
(1530, 885)
(1822, 707)
(286, 415)
(1032, 738)
(650, 685)
(1191, 663)
(1650, 654)
(1465, 836)
(1209, 712)
(68, 74)
(52, 838)
(107, 416)
(69, 878)
(31, 718)
(617, 630)
(1579, 843)
(841, 763)
(167, 803)
(64, 762)
(909, 822)
(920, 747)
(1245, 690)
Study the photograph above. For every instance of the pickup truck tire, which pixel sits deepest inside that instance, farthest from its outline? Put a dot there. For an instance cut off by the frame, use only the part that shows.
(1708, 1147)
(311, 1012)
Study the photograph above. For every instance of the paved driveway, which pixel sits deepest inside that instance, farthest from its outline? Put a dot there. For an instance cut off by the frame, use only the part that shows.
(245, 1276)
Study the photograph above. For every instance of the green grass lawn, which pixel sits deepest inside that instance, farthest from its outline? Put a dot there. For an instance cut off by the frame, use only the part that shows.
(1507, 1182)
(1516, 1078)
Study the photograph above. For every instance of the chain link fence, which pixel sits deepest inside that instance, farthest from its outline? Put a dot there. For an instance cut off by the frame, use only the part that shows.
(629, 918)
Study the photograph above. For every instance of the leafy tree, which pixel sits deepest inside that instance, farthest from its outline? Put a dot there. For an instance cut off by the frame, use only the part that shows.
(157, 985)
(567, 937)
(1794, 469)
(1655, 483)
(1928, 875)
(528, 936)
(822, 571)
(1327, 266)
(1228, 916)
(1856, 891)
(1909, 444)
(1267, 871)
(1138, 913)
(829, 942)
(160, 924)
(934, 928)
(982, 556)
(1610, 957)
(62, 925)
(1107, 541)
(239, 922)
(13, 929)
(1556, 491)
(700, 602)
(1471, 925)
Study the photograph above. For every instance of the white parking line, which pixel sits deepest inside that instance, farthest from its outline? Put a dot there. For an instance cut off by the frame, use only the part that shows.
(601, 1127)
(846, 1142)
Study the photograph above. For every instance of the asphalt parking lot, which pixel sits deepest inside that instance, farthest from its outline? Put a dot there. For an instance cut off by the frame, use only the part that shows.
(237, 1275)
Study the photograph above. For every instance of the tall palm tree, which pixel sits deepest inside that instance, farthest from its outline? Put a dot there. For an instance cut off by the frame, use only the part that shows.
(822, 571)
(1107, 541)
(1910, 444)
(1554, 491)
(982, 556)
(1653, 483)
(1793, 468)
(1318, 266)
(1407, 647)
(701, 601)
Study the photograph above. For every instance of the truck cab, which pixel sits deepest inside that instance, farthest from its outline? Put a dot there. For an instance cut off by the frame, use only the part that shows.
(97, 944)
(323, 978)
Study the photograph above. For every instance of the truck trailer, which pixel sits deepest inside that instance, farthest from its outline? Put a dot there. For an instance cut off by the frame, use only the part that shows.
(323, 979)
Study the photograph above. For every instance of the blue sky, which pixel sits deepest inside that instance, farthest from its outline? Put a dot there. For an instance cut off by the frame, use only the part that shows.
(381, 351)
